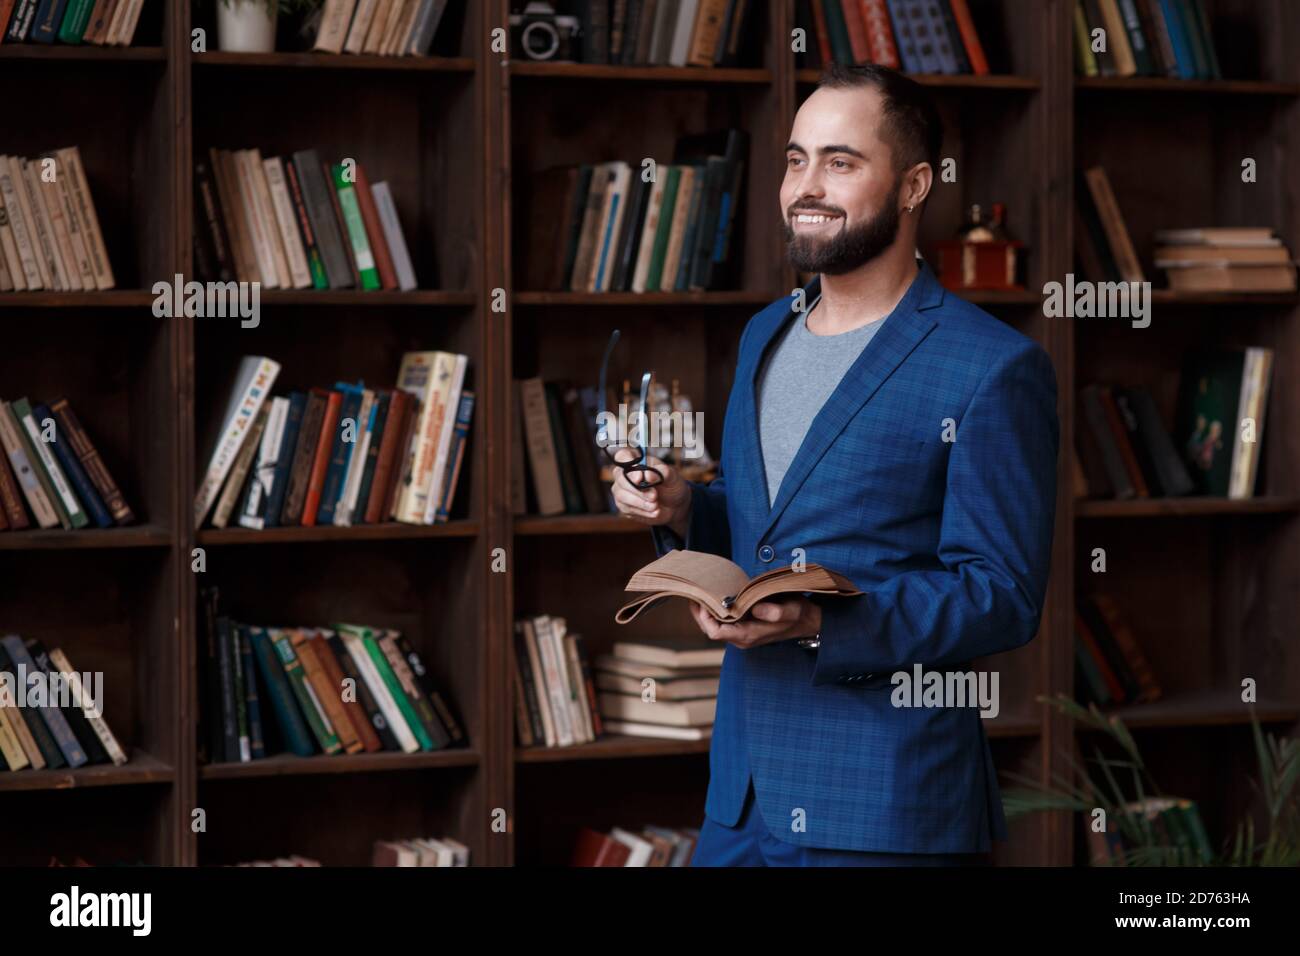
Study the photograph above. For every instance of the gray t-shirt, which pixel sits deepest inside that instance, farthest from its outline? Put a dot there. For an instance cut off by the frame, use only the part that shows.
(801, 372)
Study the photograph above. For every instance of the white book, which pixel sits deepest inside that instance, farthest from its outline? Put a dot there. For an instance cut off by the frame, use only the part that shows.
(24, 470)
(290, 240)
(58, 480)
(361, 21)
(578, 699)
(76, 236)
(379, 690)
(51, 196)
(70, 165)
(616, 175)
(18, 222)
(435, 490)
(458, 849)
(240, 470)
(264, 232)
(641, 850)
(253, 382)
(661, 39)
(528, 634)
(93, 709)
(555, 680)
(351, 484)
(35, 231)
(681, 47)
(392, 227)
(425, 375)
(9, 250)
(51, 261)
(645, 246)
(262, 479)
(378, 26)
(334, 23)
(631, 728)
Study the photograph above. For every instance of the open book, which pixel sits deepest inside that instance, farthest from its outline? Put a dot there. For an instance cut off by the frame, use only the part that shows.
(721, 586)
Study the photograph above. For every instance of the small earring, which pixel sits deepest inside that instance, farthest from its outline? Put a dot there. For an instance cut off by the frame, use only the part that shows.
(909, 208)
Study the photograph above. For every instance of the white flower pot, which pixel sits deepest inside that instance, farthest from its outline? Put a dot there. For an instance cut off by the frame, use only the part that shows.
(245, 26)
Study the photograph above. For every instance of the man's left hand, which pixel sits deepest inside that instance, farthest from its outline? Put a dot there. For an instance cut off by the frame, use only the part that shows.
(766, 623)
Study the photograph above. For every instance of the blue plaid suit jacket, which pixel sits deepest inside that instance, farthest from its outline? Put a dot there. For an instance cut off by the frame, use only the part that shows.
(949, 540)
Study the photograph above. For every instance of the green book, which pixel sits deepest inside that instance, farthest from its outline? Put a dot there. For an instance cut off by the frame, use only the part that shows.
(302, 690)
(75, 20)
(356, 229)
(390, 680)
(660, 248)
(48, 472)
(838, 31)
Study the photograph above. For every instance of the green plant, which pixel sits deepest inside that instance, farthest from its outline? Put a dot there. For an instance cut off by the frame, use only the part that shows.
(1096, 784)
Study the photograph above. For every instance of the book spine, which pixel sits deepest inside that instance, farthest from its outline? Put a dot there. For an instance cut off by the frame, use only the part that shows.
(300, 276)
(28, 726)
(304, 452)
(392, 714)
(361, 506)
(400, 700)
(456, 456)
(356, 229)
(68, 460)
(315, 264)
(320, 212)
(345, 511)
(449, 402)
(360, 736)
(376, 721)
(292, 727)
(54, 720)
(344, 442)
(445, 718)
(11, 501)
(90, 709)
(75, 20)
(385, 462)
(296, 675)
(24, 471)
(70, 160)
(285, 459)
(406, 280)
(423, 709)
(321, 461)
(240, 469)
(375, 231)
(65, 502)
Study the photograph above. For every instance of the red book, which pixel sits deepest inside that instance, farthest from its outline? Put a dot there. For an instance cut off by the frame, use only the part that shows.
(388, 459)
(823, 34)
(857, 28)
(969, 38)
(375, 231)
(320, 464)
(880, 34)
(10, 496)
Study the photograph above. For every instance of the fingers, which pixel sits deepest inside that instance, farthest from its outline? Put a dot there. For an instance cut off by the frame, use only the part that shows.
(776, 611)
(706, 621)
(639, 505)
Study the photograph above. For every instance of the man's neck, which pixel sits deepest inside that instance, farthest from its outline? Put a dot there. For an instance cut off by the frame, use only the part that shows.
(868, 293)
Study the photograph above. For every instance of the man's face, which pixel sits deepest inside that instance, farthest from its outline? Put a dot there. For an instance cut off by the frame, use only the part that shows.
(840, 193)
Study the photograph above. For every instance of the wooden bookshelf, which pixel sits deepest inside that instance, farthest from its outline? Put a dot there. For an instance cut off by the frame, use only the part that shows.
(1211, 585)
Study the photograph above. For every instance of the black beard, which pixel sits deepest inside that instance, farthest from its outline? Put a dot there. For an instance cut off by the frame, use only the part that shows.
(851, 247)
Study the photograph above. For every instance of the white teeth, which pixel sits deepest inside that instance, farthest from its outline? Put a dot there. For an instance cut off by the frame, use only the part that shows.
(812, 219)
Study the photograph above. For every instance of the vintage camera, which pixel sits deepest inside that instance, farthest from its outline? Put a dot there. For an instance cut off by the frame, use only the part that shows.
(539, 33)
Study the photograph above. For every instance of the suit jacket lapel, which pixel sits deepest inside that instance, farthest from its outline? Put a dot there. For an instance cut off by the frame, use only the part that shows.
(901, 332)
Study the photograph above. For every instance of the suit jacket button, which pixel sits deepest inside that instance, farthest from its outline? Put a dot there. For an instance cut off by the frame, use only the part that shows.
(766, 553)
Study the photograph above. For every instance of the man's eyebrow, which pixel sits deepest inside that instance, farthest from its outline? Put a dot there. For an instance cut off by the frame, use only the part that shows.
(826, 150)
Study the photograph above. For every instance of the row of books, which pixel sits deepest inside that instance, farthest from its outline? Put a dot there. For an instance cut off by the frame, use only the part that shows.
(100, 22)
(420, 851)
(344, 689)
(620, 231)
(1197, 259)
(51, 464)
(1145, 38)
(916, 36)
(556, 428)
(555, 694)
(296, 223)
(1126, 452)
(1225, 259)
(49, 231)
(663, 32)
(1172, 823)
(344, 455)
(1110, 666)
(651, 846)
(49, 722)
(381, 27)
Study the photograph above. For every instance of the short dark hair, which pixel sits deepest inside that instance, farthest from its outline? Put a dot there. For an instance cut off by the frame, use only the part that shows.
(912, 125)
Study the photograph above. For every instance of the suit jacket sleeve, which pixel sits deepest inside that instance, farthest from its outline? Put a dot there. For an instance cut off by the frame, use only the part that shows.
(709, 529)
(994, 546)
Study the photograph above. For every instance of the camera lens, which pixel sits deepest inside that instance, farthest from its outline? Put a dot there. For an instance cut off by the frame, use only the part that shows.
(540, 40)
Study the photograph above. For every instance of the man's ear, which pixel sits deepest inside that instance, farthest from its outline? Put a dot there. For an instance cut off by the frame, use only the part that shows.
(916, 185)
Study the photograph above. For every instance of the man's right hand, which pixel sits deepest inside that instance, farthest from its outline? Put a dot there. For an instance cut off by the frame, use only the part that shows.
(667, 503)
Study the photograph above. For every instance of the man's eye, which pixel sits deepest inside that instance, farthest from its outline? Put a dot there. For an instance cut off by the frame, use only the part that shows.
(839, 164)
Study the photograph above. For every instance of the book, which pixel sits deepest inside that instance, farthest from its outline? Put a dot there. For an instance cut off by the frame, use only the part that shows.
(252, 384)
(722, 587)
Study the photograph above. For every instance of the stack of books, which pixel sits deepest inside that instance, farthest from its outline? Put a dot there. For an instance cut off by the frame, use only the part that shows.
(556, 434)
(49, 231)
(665, 689)
(381, 27)
(99, 22)
(1145, 38)
(51, 716)
(1219, 259)
(296, 223)
(420, 851)
(1101, 240)
(619, 232)
(918, 36)
(50, 463)
(555, 697)
(1111, 668)
(646, 32)
(652, 846)
(343, 456)
(344, 689)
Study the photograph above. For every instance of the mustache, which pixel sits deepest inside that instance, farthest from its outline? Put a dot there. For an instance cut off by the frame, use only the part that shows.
(815, 209)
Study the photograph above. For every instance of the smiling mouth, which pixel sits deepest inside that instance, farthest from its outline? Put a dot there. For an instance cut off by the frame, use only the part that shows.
(812, 219)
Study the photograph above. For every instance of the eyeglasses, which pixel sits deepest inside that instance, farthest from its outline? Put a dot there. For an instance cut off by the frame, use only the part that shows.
(633, 453)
